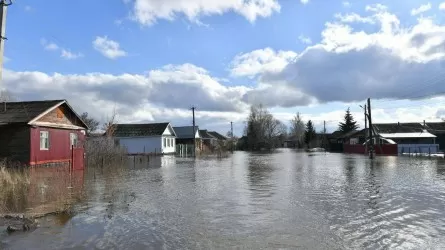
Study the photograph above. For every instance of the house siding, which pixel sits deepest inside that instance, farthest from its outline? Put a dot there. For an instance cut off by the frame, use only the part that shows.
(140, 145)
(60, 115)
(59, 145)
(15, 143)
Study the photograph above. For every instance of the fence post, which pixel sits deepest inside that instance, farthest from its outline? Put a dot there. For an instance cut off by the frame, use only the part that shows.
(72, 159)
(429, 151)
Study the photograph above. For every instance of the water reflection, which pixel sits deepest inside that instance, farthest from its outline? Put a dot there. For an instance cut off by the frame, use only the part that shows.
(255, 201)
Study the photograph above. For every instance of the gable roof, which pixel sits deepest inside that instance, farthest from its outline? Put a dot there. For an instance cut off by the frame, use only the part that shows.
(217, 135)
(390, 128)
(436, 127)
(185, 132)
(205, 134)
(31, 111)
(134, 130)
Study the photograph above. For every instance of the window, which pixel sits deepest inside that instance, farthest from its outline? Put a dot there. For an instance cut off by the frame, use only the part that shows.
(165, 142)
(73, 140)
(44, 140)
(173, 142)
(168, 142)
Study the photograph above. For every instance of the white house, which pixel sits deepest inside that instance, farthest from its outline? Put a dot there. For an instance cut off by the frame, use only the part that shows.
(146, 138)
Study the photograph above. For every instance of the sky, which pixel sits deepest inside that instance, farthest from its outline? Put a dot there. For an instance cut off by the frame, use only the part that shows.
(152, 60)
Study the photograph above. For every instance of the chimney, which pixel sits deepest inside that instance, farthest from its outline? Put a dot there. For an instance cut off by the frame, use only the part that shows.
(424, 124)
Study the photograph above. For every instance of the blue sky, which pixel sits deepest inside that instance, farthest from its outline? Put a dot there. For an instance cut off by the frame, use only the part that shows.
(151, 60)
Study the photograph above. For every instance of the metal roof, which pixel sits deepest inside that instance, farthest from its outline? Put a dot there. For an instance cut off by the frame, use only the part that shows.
(206, 135)
(217, 135)
(185, 132)
(408, 135)
(134, 130)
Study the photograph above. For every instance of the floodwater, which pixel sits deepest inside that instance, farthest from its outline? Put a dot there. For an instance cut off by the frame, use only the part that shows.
(284, 200)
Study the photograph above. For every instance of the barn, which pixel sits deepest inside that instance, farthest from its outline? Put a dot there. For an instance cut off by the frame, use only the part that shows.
(41, 132)
(158, 138)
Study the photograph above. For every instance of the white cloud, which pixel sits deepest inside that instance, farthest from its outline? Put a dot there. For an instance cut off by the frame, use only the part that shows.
(261, 61)
(147, 12)
(48, 45)
(421, 9)
(108, 48)
(304, 1)
(70, 55)
(64, 53)
(349, 65)
(442, 6)
(353, 18)
(305, 39)
(28, 8)
(346, 4)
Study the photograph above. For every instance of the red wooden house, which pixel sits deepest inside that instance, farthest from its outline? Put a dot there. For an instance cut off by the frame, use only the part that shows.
(41, 132)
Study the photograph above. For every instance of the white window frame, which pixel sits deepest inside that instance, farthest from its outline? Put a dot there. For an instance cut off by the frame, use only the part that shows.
(45, 136)
(74, 138)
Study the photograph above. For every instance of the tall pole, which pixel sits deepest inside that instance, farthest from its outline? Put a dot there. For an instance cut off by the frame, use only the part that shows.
(194, 132)
(366, 119)
(3, 7)
(324, 134)
(371, 148)
(231, 135)
(366, 126)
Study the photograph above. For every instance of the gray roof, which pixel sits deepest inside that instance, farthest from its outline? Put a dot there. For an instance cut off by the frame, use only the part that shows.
(398, 127)
(24, 112)
(133, 130)
(217, 135)
(185, 132)
(206, 135)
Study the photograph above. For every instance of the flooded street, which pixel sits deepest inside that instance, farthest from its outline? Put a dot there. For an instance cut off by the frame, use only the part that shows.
(283, 200)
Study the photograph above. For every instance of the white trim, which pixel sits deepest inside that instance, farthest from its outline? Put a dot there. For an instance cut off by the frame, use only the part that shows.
(56, 125)
(408, 135)
(131, 137)
(47, 139)
(45, 113)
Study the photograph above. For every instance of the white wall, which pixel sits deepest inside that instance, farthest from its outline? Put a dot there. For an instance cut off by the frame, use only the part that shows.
(169, 148)
(418, 148)
(136, 145)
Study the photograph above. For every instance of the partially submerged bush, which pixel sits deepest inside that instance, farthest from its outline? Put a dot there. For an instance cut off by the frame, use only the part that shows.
(103, 151)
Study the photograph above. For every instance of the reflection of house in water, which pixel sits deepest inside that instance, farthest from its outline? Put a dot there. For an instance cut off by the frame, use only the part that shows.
(53, 189)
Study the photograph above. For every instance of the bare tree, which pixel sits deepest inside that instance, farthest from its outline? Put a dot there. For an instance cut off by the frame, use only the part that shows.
(298, 128)
(262, 129)
(110, 125)
(6, 96)
(92, 123)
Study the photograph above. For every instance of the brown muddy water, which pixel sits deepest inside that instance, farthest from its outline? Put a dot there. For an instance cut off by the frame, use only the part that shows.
(284, 200)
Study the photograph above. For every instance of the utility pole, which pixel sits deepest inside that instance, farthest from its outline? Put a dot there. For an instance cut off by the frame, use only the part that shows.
(3, 7)
(194, 132)
(324, 134)
(366, 120)
(371, 147)
(231, 135)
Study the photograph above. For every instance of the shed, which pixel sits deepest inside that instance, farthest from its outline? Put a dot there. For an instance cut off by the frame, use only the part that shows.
(42, 132)
(146, 138)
